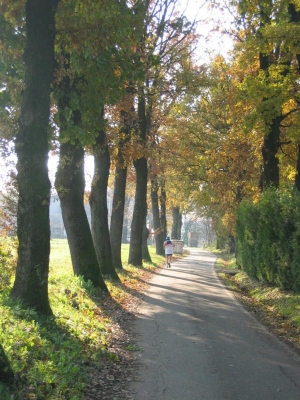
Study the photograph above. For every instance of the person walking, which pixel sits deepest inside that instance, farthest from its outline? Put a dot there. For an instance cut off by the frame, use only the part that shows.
(168, 246)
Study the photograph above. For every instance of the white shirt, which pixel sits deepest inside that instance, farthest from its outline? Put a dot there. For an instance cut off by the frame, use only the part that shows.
(168, 245)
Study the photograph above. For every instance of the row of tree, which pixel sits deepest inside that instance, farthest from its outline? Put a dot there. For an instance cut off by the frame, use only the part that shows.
(117, 80)
(95, 78)
(237, 133)
(130, 93)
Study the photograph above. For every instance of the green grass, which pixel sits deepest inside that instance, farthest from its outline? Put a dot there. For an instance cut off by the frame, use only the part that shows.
(51, 357)
(226, 261)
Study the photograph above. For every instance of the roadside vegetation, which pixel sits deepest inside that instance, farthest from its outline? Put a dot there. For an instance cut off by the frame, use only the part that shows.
(278, 309)
(57, 357)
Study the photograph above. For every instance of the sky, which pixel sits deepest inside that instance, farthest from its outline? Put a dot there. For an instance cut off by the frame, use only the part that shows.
(210, 40)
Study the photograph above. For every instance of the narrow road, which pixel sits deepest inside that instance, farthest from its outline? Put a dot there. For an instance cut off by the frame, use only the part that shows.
(199, 343)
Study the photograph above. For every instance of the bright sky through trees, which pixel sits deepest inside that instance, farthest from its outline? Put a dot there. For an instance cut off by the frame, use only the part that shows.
(212, 41)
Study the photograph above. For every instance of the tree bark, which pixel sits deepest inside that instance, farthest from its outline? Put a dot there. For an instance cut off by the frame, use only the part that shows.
(270, 149)
(70, 185)
(138, 219)
(139, 212)
(156, 217)
(125, 221)
(163, 214)
(31, 282)
(297, 177)
(176, 222)
(98, 203)
(145, 250)
(117, 216)
(179, 226)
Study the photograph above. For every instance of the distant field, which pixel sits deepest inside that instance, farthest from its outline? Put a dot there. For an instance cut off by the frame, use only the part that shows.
(60, 258)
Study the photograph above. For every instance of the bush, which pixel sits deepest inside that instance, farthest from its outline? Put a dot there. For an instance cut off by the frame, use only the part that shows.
(246, 230)
(268, 238)
(8, 261)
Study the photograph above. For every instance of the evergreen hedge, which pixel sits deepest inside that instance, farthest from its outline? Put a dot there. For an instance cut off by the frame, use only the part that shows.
(268, 238)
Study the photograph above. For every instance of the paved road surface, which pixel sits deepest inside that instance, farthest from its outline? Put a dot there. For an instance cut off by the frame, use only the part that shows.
(200, 344)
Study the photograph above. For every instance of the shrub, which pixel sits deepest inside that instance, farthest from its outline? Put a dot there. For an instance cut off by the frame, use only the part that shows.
(246, 230)
(8, 261)
(268, 238)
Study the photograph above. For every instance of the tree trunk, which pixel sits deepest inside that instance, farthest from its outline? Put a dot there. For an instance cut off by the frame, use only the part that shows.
(125, 221)
(270, 172)
(98, 203)
(232, 245)
(138, 219)
(145, 250)
(297, 177)
(156, 218)
(269, 152)
(179, 226)
(6, 372)
(117, 216)
(163, 214)
(70, 185)
(139, 212)
(176, 222)
(31, 282)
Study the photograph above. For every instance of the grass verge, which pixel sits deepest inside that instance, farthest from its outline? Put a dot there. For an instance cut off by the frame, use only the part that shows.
(61, 357)
(279, 310)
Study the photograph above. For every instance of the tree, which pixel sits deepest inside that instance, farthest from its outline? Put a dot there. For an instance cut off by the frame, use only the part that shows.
(32, 151)
(69, 180)
(127, 121)
(145, 251)
(96, 75)
(140, 200)
(98, 203)
(177, 223)
(211, 157)
(158, 201)
(165, 35)
(268, 36)
(70, 184)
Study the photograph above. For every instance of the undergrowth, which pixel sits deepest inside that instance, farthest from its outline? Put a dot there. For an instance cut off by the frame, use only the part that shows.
(51, 356)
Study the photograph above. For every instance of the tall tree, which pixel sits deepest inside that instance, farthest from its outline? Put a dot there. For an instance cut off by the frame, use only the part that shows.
(163, 38)
(177, 223)
(70, 181)
(98, 203)
(96, 73)
(127, 118)
(140, 200)
(70, 185)
(145, 250)
(271, 87)
(32, 151)
(158, 201)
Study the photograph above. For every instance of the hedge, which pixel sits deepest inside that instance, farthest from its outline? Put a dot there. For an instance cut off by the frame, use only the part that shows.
(268, 238)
